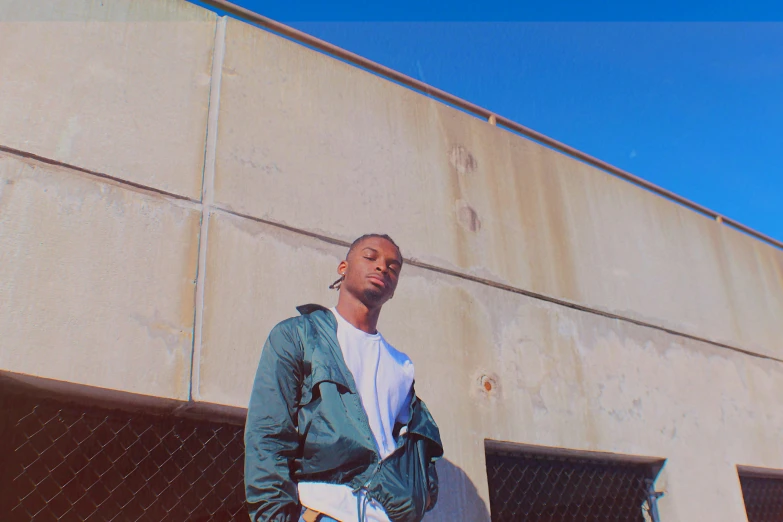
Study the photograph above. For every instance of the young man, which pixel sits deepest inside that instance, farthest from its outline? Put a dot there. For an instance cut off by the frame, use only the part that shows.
(334, 429)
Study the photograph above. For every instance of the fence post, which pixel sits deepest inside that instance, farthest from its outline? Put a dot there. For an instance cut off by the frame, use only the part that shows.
(652, 500)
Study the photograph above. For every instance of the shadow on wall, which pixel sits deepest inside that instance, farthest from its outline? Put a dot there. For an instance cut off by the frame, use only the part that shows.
(458, 498)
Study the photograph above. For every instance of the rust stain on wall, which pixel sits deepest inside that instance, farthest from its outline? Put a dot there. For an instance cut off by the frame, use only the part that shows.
(463, 163)
(467, 217)
(559, 232)
(544, 214)
(724, 268)
(175, 337)
(462, 160)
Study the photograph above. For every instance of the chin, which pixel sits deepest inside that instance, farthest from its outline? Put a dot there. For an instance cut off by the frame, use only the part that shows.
(374, 295)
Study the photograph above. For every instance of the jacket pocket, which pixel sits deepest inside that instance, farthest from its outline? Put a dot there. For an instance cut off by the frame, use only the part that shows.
(403, 484)
(320, 410)
(319, 375)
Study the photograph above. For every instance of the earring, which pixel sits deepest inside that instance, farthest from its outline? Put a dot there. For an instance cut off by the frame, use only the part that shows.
(336, 285)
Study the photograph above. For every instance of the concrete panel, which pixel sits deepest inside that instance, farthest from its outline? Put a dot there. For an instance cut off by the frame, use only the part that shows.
(560, 377)
(96, 281)
(254, 274)
(118, 87)
(313, 143)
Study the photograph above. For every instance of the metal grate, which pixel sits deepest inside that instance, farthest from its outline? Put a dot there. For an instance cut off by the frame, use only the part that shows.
(75, 463)
(532, 487)
(763, 498)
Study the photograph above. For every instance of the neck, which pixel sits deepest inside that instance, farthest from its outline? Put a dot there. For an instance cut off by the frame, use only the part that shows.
(357, 313)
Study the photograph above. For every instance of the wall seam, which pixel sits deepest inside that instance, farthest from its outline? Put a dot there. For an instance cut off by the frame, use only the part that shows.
(103, 177)
(207, 197)
(509, 288)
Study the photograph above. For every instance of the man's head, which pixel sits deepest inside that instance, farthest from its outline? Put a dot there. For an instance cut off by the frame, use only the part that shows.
(371, 269)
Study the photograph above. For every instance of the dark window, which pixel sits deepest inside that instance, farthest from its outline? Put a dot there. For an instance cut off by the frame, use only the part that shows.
(67, 461)
(763, 497)
(536, 486)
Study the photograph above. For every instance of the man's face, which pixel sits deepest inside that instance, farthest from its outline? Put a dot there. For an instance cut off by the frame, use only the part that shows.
(371, 271)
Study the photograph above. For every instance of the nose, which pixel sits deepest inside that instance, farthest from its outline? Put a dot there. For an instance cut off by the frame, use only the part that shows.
(381, 268)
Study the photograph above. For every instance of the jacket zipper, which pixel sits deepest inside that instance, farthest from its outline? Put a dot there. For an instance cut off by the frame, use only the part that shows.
(378, 466)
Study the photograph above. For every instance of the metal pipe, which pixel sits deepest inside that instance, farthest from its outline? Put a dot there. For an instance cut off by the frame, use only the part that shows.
(397, 76)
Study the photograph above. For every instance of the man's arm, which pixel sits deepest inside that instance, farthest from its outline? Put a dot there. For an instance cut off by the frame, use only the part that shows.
(432, 473)
(271, 435)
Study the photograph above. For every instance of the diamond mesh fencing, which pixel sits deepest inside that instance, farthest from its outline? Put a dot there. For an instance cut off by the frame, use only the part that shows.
(531, 487)
(69, 462)
(763, 498)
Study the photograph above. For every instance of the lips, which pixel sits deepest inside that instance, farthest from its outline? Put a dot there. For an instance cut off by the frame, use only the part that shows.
(377, 280)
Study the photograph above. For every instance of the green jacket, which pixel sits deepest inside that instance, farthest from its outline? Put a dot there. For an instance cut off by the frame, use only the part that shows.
(305, 422)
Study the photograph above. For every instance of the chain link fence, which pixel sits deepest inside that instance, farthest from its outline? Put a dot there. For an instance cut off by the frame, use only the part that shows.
(67, 462)
(532, 487)
(763, 498)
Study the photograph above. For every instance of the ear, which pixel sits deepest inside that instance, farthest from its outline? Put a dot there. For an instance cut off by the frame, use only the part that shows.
(342, 267)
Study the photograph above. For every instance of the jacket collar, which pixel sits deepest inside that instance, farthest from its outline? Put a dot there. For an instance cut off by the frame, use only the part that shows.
(310, 308)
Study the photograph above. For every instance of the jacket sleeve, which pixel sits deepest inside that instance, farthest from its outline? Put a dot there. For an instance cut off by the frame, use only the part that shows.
(271, 435)
(433, 453)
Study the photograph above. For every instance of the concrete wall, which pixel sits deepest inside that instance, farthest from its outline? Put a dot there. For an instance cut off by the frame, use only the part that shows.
(172, 184)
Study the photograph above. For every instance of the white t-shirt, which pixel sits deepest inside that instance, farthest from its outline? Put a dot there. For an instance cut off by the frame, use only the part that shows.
(383, 379)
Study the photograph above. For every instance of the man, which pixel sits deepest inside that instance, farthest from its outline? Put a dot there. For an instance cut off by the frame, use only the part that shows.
(335, 431)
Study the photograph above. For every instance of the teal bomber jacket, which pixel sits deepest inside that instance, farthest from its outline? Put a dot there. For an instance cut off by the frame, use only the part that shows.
(305, 422)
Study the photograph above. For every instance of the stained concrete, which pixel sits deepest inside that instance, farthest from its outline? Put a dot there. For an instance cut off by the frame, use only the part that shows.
(118, 87)
(96, 281)
(246, 264)
(358, 153)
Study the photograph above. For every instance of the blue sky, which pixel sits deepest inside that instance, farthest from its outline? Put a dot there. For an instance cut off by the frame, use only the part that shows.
(694, 106)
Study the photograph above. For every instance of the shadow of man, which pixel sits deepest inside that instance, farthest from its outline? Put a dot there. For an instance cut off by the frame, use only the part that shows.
(458, 499)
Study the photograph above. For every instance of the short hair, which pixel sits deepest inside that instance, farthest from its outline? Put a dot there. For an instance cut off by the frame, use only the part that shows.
(368, 236)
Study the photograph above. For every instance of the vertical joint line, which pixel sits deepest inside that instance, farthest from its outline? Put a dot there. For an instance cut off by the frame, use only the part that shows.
(207, 197)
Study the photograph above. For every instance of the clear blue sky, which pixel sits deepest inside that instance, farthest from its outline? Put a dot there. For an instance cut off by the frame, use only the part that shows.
(694, 106)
